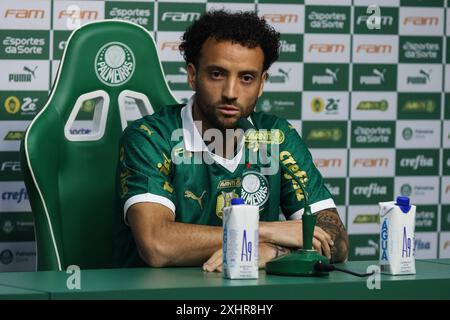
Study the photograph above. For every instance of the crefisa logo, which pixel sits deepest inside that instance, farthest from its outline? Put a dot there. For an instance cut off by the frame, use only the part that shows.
(114, 64)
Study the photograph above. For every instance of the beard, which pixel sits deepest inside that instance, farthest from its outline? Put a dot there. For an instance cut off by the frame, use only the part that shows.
(215, 119)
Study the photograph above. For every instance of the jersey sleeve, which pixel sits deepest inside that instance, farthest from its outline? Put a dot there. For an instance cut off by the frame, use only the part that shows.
(145, 168)
(296, 156)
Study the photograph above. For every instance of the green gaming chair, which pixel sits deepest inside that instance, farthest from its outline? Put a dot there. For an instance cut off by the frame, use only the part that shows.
(70, 173)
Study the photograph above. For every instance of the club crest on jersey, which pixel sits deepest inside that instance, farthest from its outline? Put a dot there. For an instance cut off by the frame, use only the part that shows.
(114, 64)
(255, 188)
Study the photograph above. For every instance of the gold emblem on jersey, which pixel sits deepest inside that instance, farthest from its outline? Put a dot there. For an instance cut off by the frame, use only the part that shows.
(146, 129)
(167, 187)
(224, 200)
(165, 166)
(189, 194)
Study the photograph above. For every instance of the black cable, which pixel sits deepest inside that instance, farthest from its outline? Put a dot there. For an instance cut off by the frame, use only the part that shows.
(326, 267)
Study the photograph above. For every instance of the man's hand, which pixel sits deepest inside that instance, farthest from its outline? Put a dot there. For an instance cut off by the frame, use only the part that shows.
(289, 234)
(267, 252)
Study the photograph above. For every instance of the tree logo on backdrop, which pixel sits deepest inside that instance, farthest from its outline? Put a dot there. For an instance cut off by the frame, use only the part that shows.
(114, 64)
(6, 256)
(407, 133)
(406, 190)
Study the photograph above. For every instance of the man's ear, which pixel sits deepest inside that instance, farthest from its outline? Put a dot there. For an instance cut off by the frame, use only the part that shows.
(264, 77)
(192, 74)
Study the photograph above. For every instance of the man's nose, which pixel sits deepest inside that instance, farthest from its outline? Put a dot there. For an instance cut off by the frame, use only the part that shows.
(230, 90)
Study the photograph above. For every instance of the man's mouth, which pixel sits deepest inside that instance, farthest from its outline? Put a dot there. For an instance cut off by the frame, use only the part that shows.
(228, 110)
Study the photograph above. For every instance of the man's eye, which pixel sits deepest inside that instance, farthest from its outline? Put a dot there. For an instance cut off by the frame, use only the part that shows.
(247, 79)
(215, 74)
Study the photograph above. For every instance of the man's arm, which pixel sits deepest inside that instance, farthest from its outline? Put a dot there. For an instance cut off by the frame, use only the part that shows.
(330, 222)
(163, 242)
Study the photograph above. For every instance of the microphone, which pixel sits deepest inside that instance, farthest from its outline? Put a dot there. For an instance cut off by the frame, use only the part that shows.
(302, 262)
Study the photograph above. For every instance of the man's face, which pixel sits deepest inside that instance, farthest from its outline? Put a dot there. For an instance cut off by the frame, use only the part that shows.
(227, 81)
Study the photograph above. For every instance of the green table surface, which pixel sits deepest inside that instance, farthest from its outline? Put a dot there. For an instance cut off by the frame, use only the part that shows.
(13, 293)
(443, 261)
(432, 281)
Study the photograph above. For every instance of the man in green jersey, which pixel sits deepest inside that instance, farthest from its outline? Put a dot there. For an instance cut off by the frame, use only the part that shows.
(180, 166)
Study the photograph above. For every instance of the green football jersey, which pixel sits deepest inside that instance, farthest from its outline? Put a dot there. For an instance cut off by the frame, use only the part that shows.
(164, 159)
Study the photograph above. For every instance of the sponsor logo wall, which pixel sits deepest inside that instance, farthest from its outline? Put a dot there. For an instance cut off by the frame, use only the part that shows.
(373, 105)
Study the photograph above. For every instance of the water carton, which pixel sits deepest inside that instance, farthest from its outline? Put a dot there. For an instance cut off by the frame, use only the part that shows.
(397, 223)
(240, 240)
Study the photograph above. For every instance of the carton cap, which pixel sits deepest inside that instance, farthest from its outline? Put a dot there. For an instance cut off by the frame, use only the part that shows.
(237, 201)
(403, 203)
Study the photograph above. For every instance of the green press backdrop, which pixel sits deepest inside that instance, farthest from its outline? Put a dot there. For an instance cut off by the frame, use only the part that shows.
(372, 104)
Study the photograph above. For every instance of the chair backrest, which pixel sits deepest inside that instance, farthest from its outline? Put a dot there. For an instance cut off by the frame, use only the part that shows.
(69, 164)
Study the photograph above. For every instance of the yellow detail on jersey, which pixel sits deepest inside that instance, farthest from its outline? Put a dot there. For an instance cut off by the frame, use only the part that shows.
(224, 200)
(146, 129)
(124, 174)
(122, 154)
(287, 159)
(164, 167)
(168, 187)
(191, 195)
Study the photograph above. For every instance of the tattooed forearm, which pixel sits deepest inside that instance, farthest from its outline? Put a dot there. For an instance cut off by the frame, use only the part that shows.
(330, 222)
(279, 250)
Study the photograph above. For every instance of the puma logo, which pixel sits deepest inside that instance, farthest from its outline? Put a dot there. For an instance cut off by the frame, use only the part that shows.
(189, 194)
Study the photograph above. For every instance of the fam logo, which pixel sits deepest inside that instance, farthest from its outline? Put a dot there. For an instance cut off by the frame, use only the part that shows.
(74, 15)
(28, 76)
(114, 64)
(180, 16)
(24, 14)
(170, 46)
(421, 21)
(280, 18)
(385, 20)
(371, 162)
(374, 49)
(255, 188)
(326, 47)
(325, 163)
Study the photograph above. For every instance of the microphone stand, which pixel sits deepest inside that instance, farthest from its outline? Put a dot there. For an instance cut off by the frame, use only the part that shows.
(302, 261)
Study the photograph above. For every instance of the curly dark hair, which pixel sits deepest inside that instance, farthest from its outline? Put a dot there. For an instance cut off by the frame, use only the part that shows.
(245, 28)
